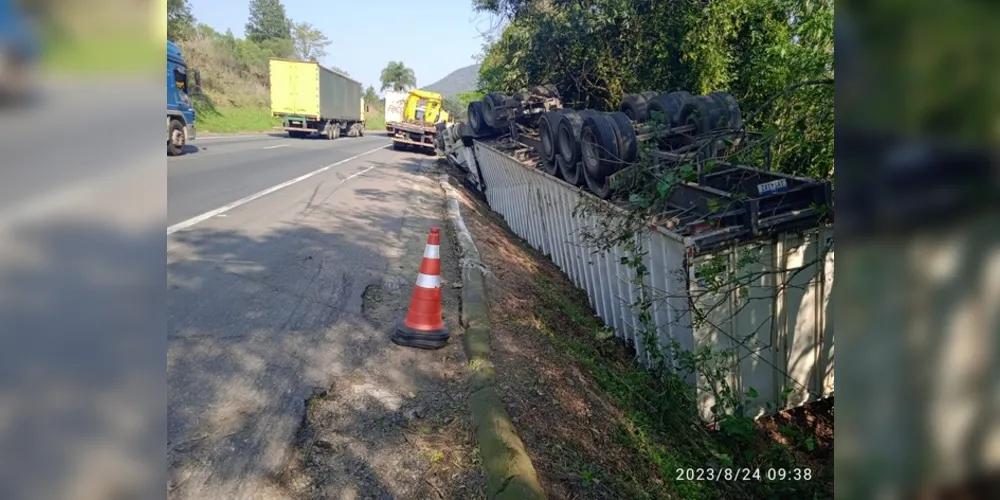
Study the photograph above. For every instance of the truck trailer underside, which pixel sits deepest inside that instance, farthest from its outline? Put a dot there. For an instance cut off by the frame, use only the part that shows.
(299, 126)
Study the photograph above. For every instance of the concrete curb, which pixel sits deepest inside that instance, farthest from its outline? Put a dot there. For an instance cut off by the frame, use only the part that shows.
(508, 469)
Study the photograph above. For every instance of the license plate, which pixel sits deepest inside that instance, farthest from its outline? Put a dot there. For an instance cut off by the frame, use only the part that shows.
(772, 187)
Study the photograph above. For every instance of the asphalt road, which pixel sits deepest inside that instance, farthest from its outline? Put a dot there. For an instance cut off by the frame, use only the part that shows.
(216, 171)
(82, 206)
(264, 301)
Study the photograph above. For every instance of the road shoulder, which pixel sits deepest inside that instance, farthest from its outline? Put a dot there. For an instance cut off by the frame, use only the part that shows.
(361, 434)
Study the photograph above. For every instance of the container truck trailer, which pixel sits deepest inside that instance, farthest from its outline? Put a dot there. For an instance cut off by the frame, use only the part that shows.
(395, 101)
(311, 99)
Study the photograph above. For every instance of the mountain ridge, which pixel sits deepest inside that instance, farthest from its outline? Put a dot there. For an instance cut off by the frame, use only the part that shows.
(461, 80)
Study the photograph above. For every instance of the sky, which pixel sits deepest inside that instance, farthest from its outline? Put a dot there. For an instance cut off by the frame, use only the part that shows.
(433, 38)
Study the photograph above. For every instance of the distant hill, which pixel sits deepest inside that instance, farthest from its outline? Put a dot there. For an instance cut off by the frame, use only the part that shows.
(458, 81)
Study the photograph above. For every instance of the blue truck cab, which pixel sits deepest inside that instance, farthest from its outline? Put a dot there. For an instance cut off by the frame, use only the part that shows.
(181, 81)
(20, 48)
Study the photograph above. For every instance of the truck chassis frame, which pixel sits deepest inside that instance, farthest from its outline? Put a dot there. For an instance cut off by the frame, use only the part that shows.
(411, 135)
(299, 126)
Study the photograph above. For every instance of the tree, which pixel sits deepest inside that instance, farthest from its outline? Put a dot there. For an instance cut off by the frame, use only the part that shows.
(180, 21)
(310, 43)
(370, 96)
(398, 77)
(268, 21)
(754, 49)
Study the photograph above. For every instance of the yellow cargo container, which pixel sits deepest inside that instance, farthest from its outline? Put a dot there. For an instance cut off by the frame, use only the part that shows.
(315, 99)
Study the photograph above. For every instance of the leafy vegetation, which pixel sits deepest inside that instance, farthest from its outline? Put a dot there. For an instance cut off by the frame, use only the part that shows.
(268, 22)
(458, 106)
(660, 423)
(398, 77)
(755, 49)
(180, 21)
(235, 70)
(776, 58)
(370, 96)
(310, 43)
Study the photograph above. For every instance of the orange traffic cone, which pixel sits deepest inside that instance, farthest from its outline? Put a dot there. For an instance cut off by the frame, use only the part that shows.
(423, 326)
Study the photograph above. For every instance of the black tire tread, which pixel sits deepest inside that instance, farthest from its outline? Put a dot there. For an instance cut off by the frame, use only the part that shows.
(171, 149)
(572, 173)
(476, 122)
(546, 130)
(606, 143)
(731, 115)
(698, 112)
(569, 128)
(628, 144)
(635, 105)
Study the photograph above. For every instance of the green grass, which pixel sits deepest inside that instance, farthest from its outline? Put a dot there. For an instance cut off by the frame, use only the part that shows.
(660, 424)
(375, 121)
(231, 120)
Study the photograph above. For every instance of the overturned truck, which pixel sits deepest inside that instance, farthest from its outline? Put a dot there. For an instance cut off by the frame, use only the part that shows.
(537, 163)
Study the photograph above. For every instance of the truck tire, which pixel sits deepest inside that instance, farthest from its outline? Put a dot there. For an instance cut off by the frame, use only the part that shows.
(599, 147)
(571, 172)
(546, 133)
(600, 186)
(729, 108)
(492, 104)
(699, 112)
(568, 134)
(477, 119)
(669, 107)
(628, 144)
(176, 141)
(635, 107)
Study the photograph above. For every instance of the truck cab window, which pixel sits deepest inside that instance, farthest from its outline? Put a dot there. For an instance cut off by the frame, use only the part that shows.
(421, 110)
(180, 79)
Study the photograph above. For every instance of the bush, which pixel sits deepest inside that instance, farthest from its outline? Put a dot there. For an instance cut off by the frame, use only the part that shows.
(234, 71)
(595, 51)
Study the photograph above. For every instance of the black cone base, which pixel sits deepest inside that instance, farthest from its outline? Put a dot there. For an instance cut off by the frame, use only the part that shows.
(406, 336)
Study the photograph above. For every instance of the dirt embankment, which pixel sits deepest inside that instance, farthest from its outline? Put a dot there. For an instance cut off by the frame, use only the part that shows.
(595, 424)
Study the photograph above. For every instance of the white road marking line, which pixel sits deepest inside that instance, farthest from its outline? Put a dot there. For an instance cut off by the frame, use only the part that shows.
(276, 146)
(208, 215)
(349, 177)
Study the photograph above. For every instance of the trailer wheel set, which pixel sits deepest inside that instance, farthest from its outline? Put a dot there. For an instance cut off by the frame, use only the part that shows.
(595, 150)
(587, 147)
(329, 130)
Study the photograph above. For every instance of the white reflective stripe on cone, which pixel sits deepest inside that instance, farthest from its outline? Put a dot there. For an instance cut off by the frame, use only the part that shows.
(432, 252)
(428, 281)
